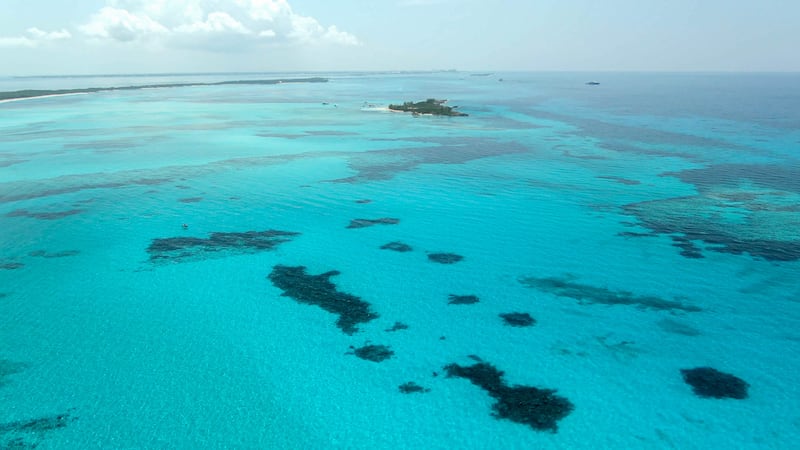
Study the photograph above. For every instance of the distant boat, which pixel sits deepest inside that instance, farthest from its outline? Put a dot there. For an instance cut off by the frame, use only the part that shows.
(593, 83)
(479, 74)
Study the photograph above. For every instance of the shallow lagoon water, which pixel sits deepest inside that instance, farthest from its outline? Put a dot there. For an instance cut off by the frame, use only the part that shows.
(627, 199)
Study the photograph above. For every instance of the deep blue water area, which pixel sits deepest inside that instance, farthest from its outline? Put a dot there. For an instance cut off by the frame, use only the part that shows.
(295, 266)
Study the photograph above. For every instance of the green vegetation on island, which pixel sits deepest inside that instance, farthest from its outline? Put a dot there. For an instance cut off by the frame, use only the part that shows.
(430, 106)
(32, 93)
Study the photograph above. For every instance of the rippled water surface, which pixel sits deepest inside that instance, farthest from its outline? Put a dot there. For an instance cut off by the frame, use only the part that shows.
(293, 266)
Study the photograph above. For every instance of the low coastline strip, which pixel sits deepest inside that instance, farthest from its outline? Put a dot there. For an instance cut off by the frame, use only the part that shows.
(38, 93)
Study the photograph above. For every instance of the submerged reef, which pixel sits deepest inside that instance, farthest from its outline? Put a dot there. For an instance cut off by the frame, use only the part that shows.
(7, 367)
(44, 215)
(430, 106)
(397, 247)
(411, 388)
(675, 327)
(540, 409)
(445, 258)
(191, 200)
(12, 265)
(566, 287)
(736, 211)
(782, 177)
(374, 353)
(364, 223)
(397, 327)
(385, 164)
(318, 290)
(708, 382)
(46, 423)
(46, 254)
(463, 299)
(11, 162)
(28, 434)
(76, 183)
(621, 180)
(518, 319)
(181, 249)
(688, 248)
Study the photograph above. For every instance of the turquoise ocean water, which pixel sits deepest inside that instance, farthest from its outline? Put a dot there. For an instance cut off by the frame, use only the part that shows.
(648, 225)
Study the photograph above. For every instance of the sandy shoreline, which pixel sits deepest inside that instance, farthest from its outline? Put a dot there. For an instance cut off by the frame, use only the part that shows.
(376, 108)
(40, 96)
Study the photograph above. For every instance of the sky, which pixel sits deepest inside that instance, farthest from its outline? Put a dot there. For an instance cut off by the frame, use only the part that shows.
(52, 37)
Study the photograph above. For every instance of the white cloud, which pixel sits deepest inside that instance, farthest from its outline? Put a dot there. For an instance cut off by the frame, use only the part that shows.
(41, 35)
(265, 9)
(217, 22)
(217, 25)
(121, 25)
(420, 2)
(34, 37)
(17, 41)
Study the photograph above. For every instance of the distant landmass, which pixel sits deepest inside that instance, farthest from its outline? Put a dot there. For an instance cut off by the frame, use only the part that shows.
(430, 106)
(32, 93)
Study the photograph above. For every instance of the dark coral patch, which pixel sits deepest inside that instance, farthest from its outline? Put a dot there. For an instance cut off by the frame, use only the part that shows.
(7, 367)
(11, 162)
(517, 319)
(397, 247)
(386, 164)
(708, 382)
(39, 425)
(625, 181)
(445, 258)
(364, 223)
(698, 219)
(673, 326)
(688, 248)
(44, 215)
(482, 374)
(11, 265)
(398, 326)
(217, 244)
(76, 186)
(565, 287)
(318, 290)
(785, 177)
(61, 254)
(463, 299)
(635, 234)
(27, 434)
(411, 388)
(540, 409)
(374, 353)
(191, 200)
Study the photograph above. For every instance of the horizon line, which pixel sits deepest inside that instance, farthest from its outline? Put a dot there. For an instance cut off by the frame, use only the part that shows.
(398, 71)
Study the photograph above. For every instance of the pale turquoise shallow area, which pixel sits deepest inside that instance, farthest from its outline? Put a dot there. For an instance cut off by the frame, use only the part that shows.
(546, 178)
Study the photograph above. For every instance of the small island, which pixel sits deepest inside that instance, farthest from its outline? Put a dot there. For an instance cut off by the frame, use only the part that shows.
(430, 106)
